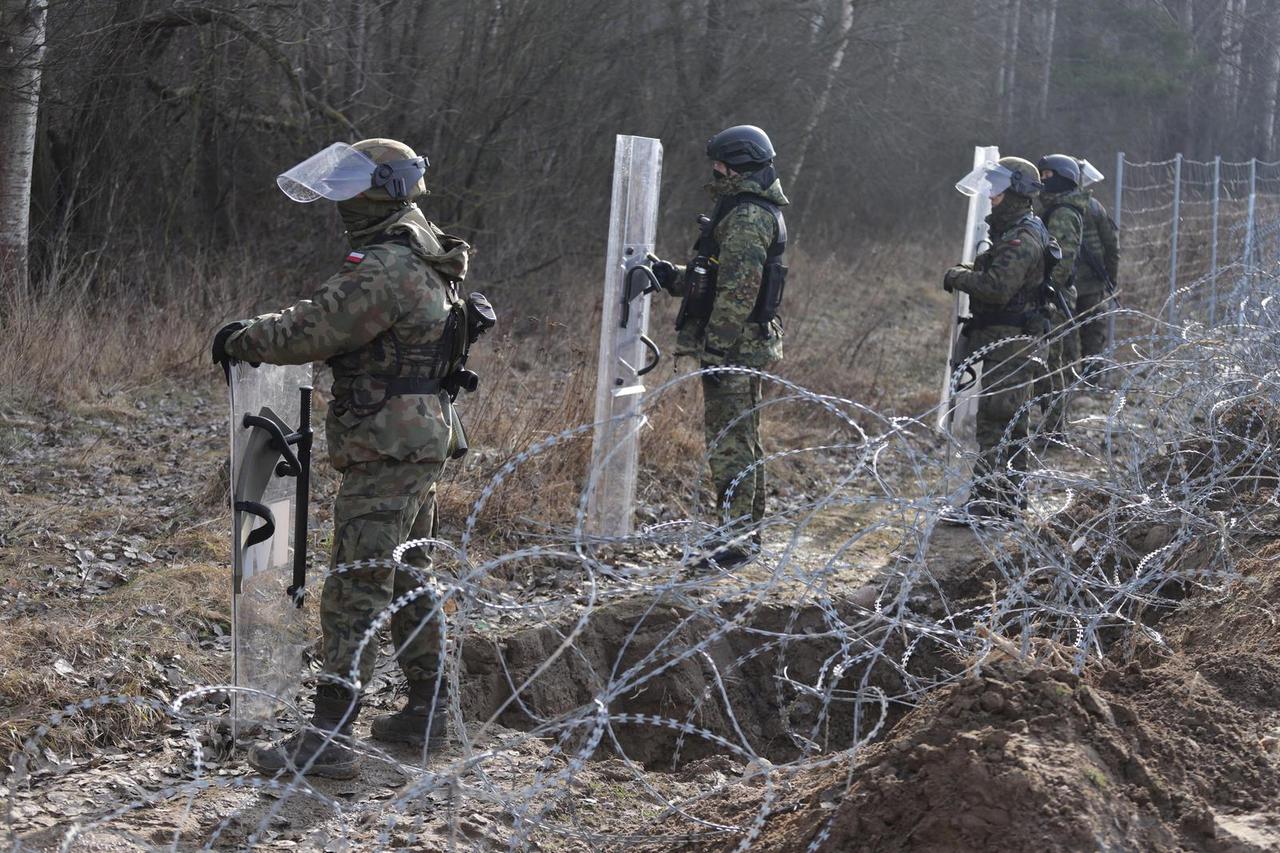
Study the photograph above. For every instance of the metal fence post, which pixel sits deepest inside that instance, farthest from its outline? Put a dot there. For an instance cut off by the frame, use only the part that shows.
(1253, 207)
(1119, 186)
(1118, 216)
(1213, 246)
(1173, 237)
(1249, 234)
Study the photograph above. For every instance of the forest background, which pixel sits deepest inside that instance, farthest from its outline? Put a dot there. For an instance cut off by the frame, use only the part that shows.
(152, 130)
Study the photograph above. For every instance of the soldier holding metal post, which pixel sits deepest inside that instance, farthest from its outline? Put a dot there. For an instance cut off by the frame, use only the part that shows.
(732, 291)
(395, 328)
(1006, 288)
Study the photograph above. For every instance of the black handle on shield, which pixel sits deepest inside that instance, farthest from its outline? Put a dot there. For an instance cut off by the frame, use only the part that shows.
(653, 351)
(259, 534)
(289, 465)
(302, 438)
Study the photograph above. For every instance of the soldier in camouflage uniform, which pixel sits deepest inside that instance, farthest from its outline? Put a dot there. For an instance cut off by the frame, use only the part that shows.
(393, 327)
(1004, 286)
(1062, 207)
(729, 317)
(1096, 273)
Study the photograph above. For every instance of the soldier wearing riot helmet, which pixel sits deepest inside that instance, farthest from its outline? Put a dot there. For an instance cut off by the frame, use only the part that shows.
(1005, 288)
(395, 328)
(1062, 207)
(729, 316)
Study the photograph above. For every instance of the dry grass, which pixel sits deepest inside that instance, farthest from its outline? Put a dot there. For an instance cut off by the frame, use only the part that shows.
(869, 328)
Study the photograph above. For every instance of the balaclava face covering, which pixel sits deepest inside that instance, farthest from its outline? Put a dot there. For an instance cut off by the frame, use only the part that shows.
(1011, 206)
(363, 217)
(1058, 184)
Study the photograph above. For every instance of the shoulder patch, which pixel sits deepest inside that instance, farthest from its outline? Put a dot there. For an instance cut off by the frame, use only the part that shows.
(355, 257)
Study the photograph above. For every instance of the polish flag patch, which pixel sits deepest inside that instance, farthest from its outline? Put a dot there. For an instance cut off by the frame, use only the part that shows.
(355, 257)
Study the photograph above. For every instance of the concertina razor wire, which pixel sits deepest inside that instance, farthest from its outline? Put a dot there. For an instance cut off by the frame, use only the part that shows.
(842, 622)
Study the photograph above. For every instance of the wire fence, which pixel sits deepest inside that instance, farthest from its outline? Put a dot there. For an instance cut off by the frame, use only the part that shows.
(861, 602)
(1190, 223)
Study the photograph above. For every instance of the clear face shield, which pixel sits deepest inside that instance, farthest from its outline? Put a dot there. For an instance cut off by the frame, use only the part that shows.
(340, 172)
(1089, 174)
(989, 180)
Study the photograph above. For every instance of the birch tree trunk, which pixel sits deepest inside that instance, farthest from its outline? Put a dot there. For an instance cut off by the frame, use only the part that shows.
(1011, 94)
(820, 104)
(1269, 106)
(22, 46)
(1046, 74)
(1002, 76)
(1229, 57)
(357, 38)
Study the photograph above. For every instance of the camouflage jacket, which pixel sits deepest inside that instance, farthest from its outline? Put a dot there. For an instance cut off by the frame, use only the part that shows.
(383, 315)
(1101, 245)
(1004, 282)
(1065, 220)
(745, 236)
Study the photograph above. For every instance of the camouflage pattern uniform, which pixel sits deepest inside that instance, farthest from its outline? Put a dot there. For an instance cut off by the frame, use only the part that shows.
(382, 318)
(1004, 285)
(1101, 246)
(1065, 221)
(731, 401)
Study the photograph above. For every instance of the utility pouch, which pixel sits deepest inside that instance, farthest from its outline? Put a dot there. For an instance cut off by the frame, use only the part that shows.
(769, 299)
(700, 291)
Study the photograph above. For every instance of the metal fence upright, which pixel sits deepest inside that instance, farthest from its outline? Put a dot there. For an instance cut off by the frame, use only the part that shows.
(1173, 238)
(1119, 187)
(1213, 244)
(1118, 216)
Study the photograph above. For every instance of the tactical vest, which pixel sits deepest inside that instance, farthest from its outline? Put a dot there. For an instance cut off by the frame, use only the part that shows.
(702, 273)
(1084, 227)
(1026, 308)
(411, 357)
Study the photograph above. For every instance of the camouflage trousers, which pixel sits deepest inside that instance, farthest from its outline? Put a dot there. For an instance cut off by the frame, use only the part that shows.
(732, 398)
(1007, 374)
(1062, 351)
(1093, 327)
(381, 505)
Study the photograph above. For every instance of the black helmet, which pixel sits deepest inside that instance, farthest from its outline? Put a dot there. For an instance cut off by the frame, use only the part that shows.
(743, 148)
(1064, 167)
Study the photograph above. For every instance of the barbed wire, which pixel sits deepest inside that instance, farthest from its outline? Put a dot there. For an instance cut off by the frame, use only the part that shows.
(861, 601)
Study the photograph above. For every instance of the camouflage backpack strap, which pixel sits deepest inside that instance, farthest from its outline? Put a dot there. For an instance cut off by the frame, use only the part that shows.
(779, 244)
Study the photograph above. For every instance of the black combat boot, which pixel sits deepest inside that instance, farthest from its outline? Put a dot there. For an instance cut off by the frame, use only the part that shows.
(421, 721)
(319, 749)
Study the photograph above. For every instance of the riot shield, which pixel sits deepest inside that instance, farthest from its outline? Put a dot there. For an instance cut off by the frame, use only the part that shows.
(624, 345)
(962, 381)
(270, 463)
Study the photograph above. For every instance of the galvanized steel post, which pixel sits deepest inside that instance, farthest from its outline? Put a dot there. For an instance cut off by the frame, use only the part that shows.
(1213, 244)
(1173, 237)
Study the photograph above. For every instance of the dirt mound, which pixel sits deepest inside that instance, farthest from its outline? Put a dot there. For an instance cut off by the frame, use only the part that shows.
(1168, 744)
(651, 645)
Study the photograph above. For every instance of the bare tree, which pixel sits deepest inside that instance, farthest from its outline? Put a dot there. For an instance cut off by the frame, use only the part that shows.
(833, 72)
(22, 50)
(1046, 72)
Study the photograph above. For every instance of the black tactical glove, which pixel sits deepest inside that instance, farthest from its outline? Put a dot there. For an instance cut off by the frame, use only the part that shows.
(666, 273)
(949, 280)
(219, 348)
